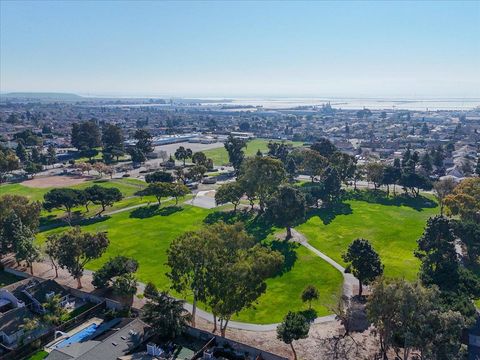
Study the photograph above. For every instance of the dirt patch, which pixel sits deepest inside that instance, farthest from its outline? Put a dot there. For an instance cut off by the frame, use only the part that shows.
(55, 181)
(318, 345)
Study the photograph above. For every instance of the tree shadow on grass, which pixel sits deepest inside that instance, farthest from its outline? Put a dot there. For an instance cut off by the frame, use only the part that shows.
(287, 249)
(228, 217)
(380, 197)
(328, 214)
(257, 226)
(145, 212)
(52, 222)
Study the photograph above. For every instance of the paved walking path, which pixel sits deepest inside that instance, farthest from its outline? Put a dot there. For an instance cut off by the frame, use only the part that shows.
(350, 282)
(45, 270)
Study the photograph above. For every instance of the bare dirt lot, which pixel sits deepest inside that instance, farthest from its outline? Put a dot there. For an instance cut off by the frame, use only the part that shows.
(54, 181)
(318, 346)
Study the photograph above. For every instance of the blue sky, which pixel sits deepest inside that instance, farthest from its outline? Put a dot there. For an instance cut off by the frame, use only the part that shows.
(247, 49)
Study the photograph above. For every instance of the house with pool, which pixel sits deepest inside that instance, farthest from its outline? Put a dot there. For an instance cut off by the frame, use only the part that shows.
(23, 301)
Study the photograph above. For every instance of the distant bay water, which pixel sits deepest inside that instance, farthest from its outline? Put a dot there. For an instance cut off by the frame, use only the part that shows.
(359, 103)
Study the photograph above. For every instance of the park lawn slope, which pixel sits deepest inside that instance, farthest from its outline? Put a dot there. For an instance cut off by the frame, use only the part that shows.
(284, 291)
(146, 237)
(127, 187)
(392, 229)
(220, 155)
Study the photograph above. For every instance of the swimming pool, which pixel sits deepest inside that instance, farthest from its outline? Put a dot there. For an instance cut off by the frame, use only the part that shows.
(77, 337)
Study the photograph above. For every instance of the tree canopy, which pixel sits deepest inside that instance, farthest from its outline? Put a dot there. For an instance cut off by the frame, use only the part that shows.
(363, 261)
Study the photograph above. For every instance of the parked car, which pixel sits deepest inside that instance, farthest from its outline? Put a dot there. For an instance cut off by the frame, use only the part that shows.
(192, 185)
(209, 180)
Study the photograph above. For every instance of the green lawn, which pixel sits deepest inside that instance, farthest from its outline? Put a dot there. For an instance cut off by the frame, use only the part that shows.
(220, 156)
(392, 225)
(149, 245)
(127, 186)
(283, 292)
(393, 230)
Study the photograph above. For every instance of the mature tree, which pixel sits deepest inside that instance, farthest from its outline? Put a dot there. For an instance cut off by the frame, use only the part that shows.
(324, 147)
(28, 138)
(8, 163)
(150, 291)
(166, 316)
(77, 248)
(18, 238)
(374, 172)
(235, 152)
(426, 163)
(86, 137)
(188, 261)
(113, 141)
(231, 192)
(196, 173)
(51, 155)
(477, 167)
(309, 294)
(159, 176)
(114, 267)
(240, 281)
(345, 165)
(313, 164)
(31, 168)
(24, 246)
(125, 286)
(221, 266)
(144, 141)
(157, 189)
(391, 176)
(286, 207)
(441, 267)
(465, 199)
(65, 198)
(51, 248)
(103, 196)
(35, 155)
(415, 182)
(200, 158)
(331, 186)
(291, 168)
(21, 152)
(442, 189)
(263, 175)
(28, 211)
(278, 150)
(137, 155)
(293, 327)
(363, 262)
(183, 154)
(178, 190)
(408, 317)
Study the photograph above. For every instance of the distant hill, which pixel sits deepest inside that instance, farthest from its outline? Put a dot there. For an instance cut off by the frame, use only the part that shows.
(42, 96)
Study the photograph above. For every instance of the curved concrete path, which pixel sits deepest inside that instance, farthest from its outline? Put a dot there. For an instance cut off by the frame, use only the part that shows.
(348, 288)
(349, 283)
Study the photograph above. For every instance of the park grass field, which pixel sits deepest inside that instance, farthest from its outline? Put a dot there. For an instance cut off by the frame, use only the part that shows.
(220, 156)
(392, 227)
(160, 227)
(127, 187)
